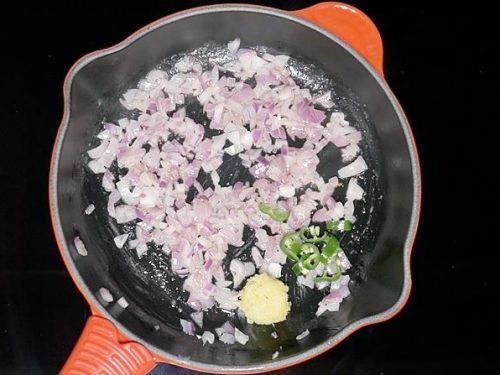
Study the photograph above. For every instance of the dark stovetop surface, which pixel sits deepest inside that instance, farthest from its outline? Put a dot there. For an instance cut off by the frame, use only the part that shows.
(444, 327)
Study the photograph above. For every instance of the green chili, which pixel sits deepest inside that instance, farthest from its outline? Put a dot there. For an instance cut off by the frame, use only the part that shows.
(265, 208)
(331, 247)
(315, 238)
(325, 277)
(299, 269)
(332, 225)
(336, 225)
(310, 261)
(280, 215)
(347, 226)
(290, 245)
(309, 248)
(275, 213)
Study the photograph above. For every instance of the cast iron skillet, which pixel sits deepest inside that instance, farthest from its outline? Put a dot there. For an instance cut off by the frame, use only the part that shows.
(131, 340)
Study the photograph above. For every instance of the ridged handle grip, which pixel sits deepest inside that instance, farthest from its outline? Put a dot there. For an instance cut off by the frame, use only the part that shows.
(100, 350)
(351, 25)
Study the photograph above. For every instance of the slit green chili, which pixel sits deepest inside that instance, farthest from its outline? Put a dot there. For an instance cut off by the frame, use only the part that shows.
(315, 238)
(331, 247)
(326, 277)
(339, 225)
(290, 245)
(275, 213)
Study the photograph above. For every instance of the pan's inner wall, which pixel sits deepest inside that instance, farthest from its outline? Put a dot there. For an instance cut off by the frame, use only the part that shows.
(155, 296)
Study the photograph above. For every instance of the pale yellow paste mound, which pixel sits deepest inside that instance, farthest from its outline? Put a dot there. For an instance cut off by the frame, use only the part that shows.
(264, 300)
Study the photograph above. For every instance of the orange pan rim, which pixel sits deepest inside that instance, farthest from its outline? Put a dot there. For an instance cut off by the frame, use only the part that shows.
(160, 355)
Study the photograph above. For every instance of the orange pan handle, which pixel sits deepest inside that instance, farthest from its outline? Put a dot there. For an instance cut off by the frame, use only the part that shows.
(102, 350)
(351, 25)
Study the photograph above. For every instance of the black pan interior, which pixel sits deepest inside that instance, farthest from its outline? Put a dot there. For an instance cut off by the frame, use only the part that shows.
(375, 247)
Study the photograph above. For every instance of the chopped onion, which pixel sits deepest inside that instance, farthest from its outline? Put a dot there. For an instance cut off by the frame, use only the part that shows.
(240, 336)
(80, 247)
(257, 257)
(122, 302)
(106, 295)
(227, 299)
(302, 335)
(324, 100)
(225, 328)
(249, 269)
(90, 208)
(287, 191)
(237, 269)
(275, 354)
(332, 301)
(197, 318)
(208, 336)
(307, 280)
(356, 167)
(141, 250)
(120, 240)
(349, 211)
(227, 338)
(161, 152)
(354, 191)
(233, 46)
(349, 152)
(187, 327)
(272, 269)
(124, 214)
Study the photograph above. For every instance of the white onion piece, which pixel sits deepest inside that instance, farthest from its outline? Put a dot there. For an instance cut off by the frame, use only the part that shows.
(125, 213)
(354, 191)
(90, 208)
(257, 257)
(208, 336)
(227, 338)
(106, 295)
(349, 211)
(197, 318)
(240, 336)
(80, 247)
(272, 269)
(249, 269)
(237, 269)
(141, 250)
(240, 270)
(187, 327)
(274, 335)
(356, 167)
(307, 280)
(324, 100)
(96, 166)
(233, 46)
(108, 181)
(302, 335)
(287, 191)
(226, 298)
(350, 152)
(332, 301)
(98, 151)
(122, 302)
(344, 261)
(227, 327)
(113, 198)
(275, 354)
(120, 240)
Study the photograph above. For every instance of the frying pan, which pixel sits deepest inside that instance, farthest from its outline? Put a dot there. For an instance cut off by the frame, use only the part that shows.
(333, 46)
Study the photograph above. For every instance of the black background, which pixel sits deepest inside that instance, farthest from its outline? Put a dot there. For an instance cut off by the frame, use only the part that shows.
(439, 61)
